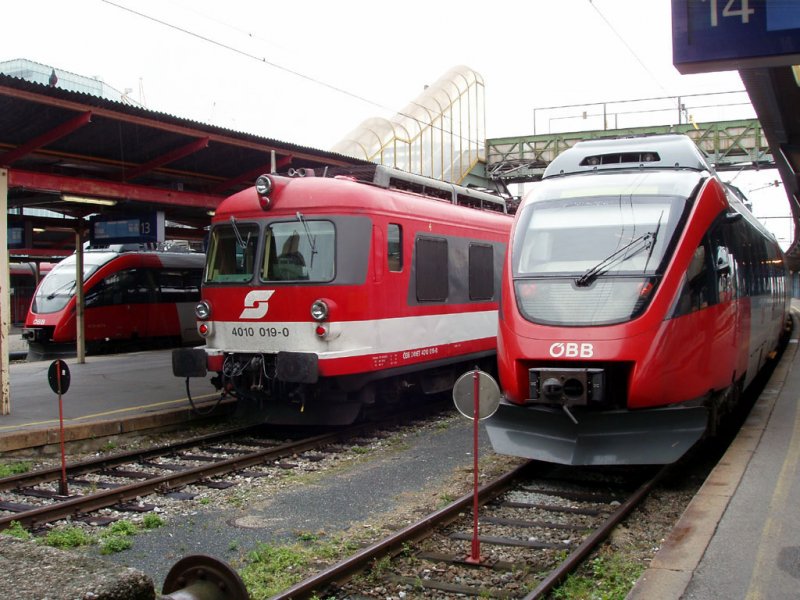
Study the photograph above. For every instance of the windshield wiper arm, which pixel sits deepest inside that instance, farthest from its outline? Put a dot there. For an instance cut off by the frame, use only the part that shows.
(66, 286)
(239, 240)
(636, 245)
(653, 242)
(312, 239)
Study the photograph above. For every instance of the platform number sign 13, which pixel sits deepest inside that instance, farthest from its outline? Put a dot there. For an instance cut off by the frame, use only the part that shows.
(730, 8)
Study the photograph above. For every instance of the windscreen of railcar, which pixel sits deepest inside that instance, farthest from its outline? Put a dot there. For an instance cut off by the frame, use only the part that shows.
(591, 251)
(298, 250)
(58, 286)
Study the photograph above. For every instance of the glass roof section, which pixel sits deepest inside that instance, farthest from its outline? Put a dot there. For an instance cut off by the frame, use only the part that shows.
(440, 134)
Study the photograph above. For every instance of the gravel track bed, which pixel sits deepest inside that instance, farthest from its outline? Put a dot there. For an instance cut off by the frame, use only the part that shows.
(361, 492)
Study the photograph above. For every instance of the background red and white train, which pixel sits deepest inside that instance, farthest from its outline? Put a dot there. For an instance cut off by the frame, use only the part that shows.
(130, 297)
(640, 298)
(24, 277)
(324, 295)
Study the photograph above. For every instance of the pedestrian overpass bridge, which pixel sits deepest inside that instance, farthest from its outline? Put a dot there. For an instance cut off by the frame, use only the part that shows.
(730, 145)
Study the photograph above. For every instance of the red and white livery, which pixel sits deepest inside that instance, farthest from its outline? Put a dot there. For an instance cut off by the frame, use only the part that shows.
(130, 296)
(640, 297)
(323, 294)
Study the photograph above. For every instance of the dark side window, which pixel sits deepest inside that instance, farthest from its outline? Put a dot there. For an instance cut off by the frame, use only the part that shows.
(395, 247)
(431, 267)
(481, 272)
(129, 286)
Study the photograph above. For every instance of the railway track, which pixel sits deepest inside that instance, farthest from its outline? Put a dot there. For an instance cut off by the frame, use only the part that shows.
(537, 524)
(119, 482)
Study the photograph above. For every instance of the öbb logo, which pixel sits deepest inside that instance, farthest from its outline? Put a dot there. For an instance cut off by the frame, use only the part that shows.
(255, 304)
(571, 350)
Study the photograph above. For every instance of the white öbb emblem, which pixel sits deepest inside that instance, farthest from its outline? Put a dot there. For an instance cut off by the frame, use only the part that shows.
(255, 304)
(571, 350)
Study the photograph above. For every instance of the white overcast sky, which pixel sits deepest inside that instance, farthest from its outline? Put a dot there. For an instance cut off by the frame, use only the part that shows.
(309, 72)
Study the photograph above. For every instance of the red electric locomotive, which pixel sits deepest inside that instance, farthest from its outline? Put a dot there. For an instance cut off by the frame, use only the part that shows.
(323, 295)
(640, 297)
(129, 296)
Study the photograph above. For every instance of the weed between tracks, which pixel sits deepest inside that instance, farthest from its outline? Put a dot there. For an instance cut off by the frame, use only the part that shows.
(114, 538)
(9, 469)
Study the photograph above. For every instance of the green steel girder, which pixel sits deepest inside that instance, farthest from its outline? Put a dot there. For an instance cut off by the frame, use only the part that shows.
(729, 145)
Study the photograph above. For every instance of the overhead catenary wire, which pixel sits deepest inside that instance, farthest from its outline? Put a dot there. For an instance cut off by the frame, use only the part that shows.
(280, 67)
(628, 46)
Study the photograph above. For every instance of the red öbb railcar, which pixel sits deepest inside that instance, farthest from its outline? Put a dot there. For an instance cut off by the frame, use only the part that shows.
(130, 296)
(640, 297)
(325, 294)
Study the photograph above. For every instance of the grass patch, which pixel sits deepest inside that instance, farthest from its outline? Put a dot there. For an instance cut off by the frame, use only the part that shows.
(610, 577)
(15, 529)
(9, 469)
(115, 543)
(67, 537)
(272, 569)
(152, 521)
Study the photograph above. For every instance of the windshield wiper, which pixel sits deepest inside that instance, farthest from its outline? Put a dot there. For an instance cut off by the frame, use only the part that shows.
(68, 286)
(239, 241)
(653, 243)
(312, 240)
(636, 245)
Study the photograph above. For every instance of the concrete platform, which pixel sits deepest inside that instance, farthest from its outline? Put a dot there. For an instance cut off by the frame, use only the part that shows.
(108, 395)
(740, 535)
(32, 572)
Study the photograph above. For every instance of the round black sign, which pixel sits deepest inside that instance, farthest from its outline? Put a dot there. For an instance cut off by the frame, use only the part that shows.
(58, 377)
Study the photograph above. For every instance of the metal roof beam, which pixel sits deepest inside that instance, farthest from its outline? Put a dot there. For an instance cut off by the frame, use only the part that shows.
(163, 125)
(167, 158)
(58, 184)
(46, 138)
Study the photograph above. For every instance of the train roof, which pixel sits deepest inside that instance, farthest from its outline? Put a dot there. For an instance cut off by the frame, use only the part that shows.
(671, 151)
(101, 256)
(375, 189)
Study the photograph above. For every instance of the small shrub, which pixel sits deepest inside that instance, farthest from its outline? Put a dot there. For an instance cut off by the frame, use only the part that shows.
(15, 529)
(152, 521)
(68, 537)
(115, 543)
(121, 528)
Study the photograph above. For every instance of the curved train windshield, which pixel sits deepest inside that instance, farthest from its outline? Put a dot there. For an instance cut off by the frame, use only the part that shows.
(592, 259)
(297, 250)
(58, 286)
(577, 236)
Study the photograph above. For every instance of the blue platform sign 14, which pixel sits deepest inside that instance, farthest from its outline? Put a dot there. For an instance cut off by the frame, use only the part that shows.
(721, 35)
(142, 228)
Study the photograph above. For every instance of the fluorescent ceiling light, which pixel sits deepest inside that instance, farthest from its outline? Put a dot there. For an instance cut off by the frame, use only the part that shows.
(85, 200)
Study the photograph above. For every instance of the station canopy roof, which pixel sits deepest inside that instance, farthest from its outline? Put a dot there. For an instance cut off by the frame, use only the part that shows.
(63, 149)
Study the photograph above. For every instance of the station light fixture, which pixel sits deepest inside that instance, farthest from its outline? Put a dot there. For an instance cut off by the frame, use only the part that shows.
(87, 200)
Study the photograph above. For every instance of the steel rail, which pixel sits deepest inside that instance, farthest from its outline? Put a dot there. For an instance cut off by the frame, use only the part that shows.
(110, 497)
(576, 557)
(86, 466)
(326, 577)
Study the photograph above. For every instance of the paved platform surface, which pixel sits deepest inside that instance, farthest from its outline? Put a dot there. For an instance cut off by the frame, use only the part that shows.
(108, 395)
(739, 538)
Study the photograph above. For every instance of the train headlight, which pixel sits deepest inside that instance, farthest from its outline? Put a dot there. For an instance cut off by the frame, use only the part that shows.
(202, 310)
(319, 310)
(264, 189)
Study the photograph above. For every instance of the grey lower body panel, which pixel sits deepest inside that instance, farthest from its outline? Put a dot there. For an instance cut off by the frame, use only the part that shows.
(622, 437)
